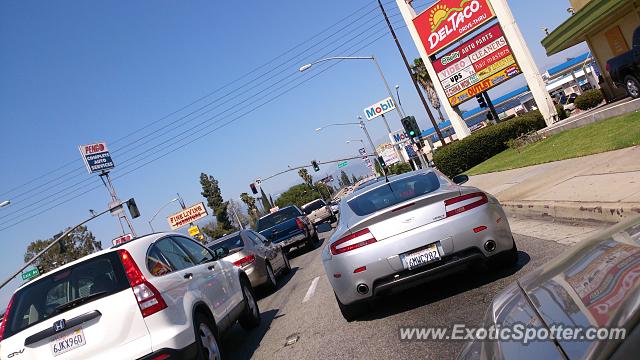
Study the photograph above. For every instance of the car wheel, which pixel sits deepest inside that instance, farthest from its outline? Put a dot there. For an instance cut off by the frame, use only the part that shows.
(206, 339)
(632, 86)
(271, 279)
(506, 259)
(250, 317)
(352, 311)
(334, 219)
(287, 264)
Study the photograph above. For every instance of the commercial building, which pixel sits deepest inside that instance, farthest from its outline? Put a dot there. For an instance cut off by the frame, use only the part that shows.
(606, 26)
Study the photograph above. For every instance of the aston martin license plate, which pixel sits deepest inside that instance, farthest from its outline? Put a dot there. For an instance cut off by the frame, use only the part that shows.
(421, 257)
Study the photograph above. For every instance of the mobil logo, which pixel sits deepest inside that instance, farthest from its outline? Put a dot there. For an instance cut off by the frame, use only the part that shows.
(379, 108)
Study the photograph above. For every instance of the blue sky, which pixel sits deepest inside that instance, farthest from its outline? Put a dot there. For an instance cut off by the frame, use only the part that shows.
(78, 72)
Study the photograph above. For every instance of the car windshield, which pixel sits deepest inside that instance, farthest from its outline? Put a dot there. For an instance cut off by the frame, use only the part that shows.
(65, 290)
(309, 208)
(229, 244)
(276, 218)
(393, 193)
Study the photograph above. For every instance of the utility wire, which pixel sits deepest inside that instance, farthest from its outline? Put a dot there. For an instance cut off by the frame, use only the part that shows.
(192, 139)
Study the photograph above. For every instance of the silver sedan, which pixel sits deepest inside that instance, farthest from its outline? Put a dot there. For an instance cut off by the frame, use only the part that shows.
(416, 226)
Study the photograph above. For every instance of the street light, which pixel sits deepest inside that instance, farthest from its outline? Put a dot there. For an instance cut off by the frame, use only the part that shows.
(5, 203)
(360, 140)
(157, 212)
(360, 124)
(372, 58)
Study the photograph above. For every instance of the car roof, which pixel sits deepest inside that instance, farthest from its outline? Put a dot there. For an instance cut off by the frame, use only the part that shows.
(311, 202)
(286, 207)
(150, 238)
(224, 238)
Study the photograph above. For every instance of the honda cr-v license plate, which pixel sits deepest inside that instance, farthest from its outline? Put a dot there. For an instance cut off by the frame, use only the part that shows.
(67, 342)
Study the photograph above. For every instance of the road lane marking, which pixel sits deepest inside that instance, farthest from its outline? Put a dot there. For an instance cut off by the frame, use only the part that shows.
(312, 289)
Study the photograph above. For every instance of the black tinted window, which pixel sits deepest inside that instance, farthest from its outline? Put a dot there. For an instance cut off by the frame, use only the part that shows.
(393, 193)
(42, 299)
(229, 244)
(178, 258)
(199, 253)
(278, 217)
(308, 209)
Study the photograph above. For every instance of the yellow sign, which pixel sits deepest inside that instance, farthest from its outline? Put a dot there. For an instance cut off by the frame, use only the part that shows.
(495, 67)
(194, 230)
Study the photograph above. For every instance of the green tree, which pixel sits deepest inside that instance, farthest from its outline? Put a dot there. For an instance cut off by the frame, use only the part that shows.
(345, 178)
(252, 209)
(423, 78)
(211, 192)
(399, 168)
(324, 190)
(265, 201)
(297, 195)
(353, 179)
(306, 177)
(80, 242)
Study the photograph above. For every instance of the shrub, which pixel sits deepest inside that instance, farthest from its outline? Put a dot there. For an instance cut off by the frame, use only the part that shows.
(398, 168)
(562, 113)
(481, 145)
(589, 99)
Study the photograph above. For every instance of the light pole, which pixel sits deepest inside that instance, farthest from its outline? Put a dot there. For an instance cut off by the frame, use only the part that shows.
(384, 80)
(398, 96)
(157, 212)
(5, 203)
(367, 160)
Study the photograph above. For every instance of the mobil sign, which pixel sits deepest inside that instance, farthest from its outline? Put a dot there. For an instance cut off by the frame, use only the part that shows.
(448, 20)
(379, 108)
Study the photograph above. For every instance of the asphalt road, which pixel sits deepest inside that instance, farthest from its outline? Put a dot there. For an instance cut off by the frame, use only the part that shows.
(309, 312)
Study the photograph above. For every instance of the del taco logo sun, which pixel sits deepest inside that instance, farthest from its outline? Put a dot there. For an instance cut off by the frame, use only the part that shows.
(448, 20)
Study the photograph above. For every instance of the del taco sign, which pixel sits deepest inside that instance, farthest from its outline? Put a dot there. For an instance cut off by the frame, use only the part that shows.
(448, 20)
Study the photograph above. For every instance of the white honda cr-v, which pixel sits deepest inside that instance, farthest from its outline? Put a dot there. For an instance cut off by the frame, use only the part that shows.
(161, 296)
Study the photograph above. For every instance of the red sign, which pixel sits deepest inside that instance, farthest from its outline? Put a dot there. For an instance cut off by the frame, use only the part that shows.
(448, 20)
(483, 62)
(122, 239)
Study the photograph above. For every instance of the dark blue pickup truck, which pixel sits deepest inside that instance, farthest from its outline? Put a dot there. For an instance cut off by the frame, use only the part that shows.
(288, 227)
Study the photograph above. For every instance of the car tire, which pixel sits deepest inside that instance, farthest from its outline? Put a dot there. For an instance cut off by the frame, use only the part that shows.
(632, 86)
(250, 317)
(206, 339)
(334, 219)
(506, 259)
(271, 283)
(287, 264)
(352, 311)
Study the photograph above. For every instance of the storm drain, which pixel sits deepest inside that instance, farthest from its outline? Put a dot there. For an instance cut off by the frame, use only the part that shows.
(292, 339)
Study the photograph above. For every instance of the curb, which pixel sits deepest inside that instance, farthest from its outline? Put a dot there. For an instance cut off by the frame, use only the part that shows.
(606, 212)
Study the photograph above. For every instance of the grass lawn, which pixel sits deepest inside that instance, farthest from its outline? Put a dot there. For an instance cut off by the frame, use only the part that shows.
(606, 135)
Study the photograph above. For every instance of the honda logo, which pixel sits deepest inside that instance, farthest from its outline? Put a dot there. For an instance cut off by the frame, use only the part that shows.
(59, 325)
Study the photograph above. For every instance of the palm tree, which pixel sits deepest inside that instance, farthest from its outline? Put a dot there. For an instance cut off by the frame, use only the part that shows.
(423, 78)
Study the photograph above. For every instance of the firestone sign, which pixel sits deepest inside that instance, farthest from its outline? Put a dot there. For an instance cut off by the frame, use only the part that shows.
(448, 20)
(379, 108)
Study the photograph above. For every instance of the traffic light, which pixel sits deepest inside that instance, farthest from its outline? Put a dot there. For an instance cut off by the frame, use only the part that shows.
(254, 190)
(133, 208)
(411, 127)
(381, 162)
(481, 101)
(315, 165)
(40, 269)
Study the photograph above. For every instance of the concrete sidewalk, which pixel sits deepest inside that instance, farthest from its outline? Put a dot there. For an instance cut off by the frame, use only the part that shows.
(603, 187)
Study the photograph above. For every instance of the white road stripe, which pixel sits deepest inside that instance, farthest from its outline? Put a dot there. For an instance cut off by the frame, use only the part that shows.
(312, 289)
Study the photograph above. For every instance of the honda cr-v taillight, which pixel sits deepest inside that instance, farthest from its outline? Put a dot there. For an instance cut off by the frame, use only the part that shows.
(353, 241)
(5, 318)
(149, 299)
(459, 204)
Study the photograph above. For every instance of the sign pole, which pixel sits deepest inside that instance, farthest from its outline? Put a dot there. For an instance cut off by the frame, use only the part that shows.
(460, 127)
(525, 60)
(106, 180)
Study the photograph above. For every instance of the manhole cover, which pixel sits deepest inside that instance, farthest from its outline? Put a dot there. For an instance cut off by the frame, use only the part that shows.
(292, 339)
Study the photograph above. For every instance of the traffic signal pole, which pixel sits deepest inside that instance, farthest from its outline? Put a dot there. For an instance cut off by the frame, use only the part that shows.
(57, 240)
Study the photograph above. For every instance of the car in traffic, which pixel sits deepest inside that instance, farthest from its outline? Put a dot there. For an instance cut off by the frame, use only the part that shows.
(289, 228)
(624, 69)
(318, 211)
(255, 255)
(413, 228)
(593, 287)
(159, 296)
(335, 208)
